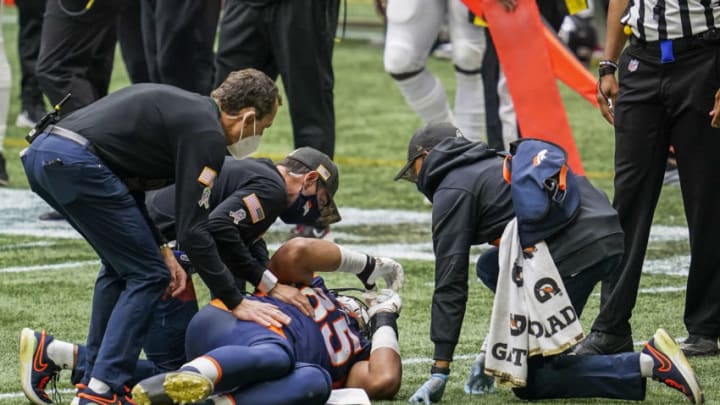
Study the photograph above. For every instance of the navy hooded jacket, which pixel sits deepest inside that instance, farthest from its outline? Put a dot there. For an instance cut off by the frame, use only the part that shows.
(472, 203)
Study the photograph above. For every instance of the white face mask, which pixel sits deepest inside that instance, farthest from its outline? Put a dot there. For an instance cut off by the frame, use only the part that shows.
(245, 146)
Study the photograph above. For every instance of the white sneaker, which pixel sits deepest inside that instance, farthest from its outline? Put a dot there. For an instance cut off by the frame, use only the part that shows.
(386, 300)
(23, 120)
(390, 270)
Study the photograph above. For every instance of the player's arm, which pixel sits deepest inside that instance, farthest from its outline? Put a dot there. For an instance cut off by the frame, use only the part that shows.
(297, 260)
(381, 374)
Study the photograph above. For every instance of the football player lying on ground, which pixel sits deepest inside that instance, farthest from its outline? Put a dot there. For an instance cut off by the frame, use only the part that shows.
(304, 359)
(250, 194)
(472, 204)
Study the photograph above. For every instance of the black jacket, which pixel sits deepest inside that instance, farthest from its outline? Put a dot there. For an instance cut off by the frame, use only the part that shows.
(151, 135)
(248, 196)
(472, 203)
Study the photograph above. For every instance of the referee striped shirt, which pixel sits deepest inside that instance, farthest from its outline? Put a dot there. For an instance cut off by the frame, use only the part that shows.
(653, 20)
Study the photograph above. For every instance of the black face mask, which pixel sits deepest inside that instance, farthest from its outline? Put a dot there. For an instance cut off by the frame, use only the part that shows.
(304, 211)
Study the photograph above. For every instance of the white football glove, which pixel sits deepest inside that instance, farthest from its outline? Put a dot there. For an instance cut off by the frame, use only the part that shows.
(390, 270)
(385, 300)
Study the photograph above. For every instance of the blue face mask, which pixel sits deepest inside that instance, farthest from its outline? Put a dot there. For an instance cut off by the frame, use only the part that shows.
(304, 211)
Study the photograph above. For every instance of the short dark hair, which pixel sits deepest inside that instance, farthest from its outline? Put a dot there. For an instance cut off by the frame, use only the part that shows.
(247, 88)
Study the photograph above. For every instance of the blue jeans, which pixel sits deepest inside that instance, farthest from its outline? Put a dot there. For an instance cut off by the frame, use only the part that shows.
(99, 206)
(614, 376)
(164, 344)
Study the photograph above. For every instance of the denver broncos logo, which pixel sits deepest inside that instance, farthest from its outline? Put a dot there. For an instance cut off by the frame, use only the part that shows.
(537, 159)
(518, 323)
(546, 288)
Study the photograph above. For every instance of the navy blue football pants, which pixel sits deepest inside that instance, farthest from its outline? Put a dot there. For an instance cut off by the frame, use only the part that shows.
(614, 376)
(99, 206)
(258, 365)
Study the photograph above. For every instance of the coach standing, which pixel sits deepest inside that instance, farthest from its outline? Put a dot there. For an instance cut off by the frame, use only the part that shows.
(668, 80)
(293, 39)
(178, 38)
(94, 166)
(77, 50)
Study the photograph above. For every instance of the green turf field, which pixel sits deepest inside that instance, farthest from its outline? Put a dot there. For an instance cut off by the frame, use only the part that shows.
(373, 126)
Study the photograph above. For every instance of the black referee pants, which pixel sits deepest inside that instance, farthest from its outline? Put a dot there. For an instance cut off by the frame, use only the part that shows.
(30, 20)
(661, 105)
(179, 37)
(77, 50)
(293, 39)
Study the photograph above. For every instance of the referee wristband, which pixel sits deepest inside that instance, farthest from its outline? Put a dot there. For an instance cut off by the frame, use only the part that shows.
(606, 67)
(267, 282)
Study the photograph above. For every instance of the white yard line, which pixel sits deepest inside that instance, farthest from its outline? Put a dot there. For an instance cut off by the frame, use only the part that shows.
(20, 209)
(45, 267)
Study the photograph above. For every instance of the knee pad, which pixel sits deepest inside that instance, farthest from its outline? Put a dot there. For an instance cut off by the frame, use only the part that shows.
(401, 11)
(467, 57)
(400, 60)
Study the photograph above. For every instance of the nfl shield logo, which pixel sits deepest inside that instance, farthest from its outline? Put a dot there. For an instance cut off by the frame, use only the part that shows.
(633, 65)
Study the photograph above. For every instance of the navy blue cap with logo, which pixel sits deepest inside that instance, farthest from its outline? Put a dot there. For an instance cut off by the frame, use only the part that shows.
(544, 189)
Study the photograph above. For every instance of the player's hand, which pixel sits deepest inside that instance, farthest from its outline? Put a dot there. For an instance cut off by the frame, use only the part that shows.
(385, 300)
(431, 391)
(715, 113)
(477, 382)
(261, 313)
(291, 295)
(607, 91)
(178, 276)
(390, 270)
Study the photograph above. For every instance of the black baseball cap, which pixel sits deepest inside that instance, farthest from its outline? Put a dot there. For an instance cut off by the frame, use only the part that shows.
(424, 139)
(313, 159)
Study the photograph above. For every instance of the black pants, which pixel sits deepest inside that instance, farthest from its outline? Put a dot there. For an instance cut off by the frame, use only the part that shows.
(293, 39)
(491, 75)
(77, 50)
(659, 105)
(130, 38)
(179, 37)
(30, 19)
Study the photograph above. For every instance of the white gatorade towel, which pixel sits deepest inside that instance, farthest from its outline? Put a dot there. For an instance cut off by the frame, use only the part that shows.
(532, 313)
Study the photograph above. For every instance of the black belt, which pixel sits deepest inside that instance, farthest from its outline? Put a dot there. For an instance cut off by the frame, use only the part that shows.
(707, 38)
(132, 183)
(73, 136)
